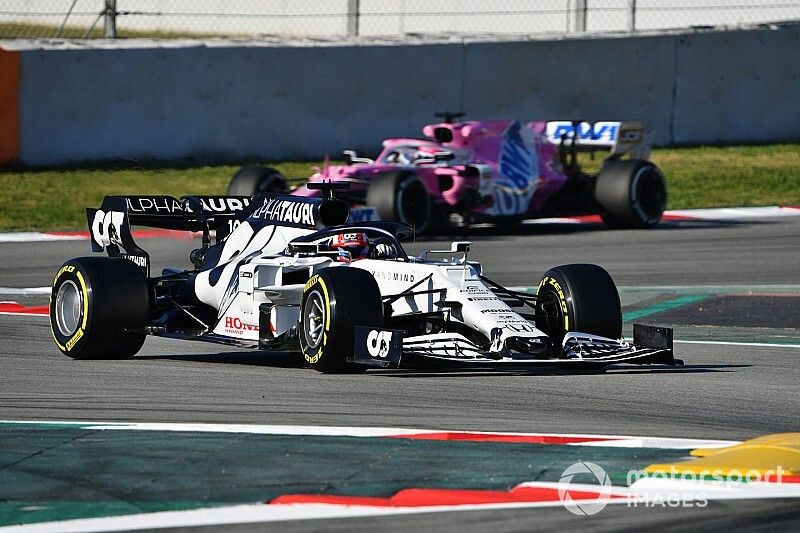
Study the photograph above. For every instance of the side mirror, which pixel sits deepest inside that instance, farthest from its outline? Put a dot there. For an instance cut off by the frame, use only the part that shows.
(460, 246)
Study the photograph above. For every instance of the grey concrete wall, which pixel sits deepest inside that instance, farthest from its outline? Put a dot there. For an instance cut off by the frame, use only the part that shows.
(231, 102)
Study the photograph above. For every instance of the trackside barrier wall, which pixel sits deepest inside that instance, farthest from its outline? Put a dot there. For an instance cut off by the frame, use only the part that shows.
(218, 101)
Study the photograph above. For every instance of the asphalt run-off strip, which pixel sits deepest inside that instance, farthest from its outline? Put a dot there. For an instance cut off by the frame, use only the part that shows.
(714, 214)
(92, 476)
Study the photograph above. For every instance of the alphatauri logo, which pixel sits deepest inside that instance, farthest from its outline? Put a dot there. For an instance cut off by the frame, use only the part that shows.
(378, 343)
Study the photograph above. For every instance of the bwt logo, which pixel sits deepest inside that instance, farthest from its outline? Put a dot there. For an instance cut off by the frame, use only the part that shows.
(599, 131)
(378, 343)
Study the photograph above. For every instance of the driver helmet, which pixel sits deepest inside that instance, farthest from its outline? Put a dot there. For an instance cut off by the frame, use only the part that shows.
(355, 243)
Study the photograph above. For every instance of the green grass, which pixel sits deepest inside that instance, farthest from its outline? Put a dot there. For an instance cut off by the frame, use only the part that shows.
(24, 30)
(696, 177)
(55, 199)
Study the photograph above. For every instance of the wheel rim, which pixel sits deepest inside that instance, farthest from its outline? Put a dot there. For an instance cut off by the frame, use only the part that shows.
(649, 198)
(412, 200)
(552, 321)
(68, 308)
(314, 317)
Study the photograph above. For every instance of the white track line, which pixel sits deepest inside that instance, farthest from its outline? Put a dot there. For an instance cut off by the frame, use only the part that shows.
(24, 291)
(36, 236)
(620, 441)
(732, 343)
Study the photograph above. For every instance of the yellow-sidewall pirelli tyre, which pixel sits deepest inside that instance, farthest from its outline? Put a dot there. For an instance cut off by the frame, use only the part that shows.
(578, 297)
(335, 301)
(98, 308)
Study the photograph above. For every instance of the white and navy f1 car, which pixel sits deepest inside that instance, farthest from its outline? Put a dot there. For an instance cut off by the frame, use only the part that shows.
(290, 274)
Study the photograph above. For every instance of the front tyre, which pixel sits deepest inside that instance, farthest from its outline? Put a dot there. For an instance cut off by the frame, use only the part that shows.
(98, 308)
(632, 194)
(581, 298)
(335, 301)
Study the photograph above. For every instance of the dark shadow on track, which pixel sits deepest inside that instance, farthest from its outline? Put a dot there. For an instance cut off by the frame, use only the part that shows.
(489, 231)
(249, 357)
(620, 369)
(290, 360)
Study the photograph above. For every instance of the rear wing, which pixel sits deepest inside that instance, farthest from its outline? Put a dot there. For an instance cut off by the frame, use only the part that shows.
(617, 137)
(110, 225)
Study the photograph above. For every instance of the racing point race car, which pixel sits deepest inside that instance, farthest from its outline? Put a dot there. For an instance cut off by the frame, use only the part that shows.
(288, 273)
(495, 171)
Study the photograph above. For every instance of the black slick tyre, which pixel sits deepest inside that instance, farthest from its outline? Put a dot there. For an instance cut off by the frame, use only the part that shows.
(401, 196)
(335, 301)
(581, 298)
(98, 308)
(254, 180)
(631, 194)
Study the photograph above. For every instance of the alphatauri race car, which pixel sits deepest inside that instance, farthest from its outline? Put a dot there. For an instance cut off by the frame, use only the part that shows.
(290, 274)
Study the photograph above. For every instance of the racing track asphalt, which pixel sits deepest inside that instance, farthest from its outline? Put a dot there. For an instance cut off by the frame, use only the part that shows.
(726, 392)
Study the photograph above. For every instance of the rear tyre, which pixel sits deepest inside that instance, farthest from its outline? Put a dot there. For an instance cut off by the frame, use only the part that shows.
(95, 304)
(334, 302)
(401, 196)
(632, 194)
(581, 298)
(254, 180)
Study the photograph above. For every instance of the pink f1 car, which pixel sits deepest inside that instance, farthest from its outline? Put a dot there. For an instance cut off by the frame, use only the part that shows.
(495, 171)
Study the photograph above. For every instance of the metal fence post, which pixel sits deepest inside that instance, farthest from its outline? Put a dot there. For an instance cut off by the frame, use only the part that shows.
(352, 18)
(631, 16)
(110, 20)
(579, 23)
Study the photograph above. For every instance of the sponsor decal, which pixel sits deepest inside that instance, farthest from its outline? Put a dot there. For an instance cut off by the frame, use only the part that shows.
(597, 133)
(222, 204)
(65, 268)
(482, 298)
(474, 289)
(235, 325)
(520, 327)
(363, 214)
(378, 343)
(631, 136)
(497, 310)
(311, 282)
(287, 211)
(519, 170)
(170, 206)
(107, 228)
(74, 340)
(394, 276)
(137, 260)
(561, 297)
(156, 204)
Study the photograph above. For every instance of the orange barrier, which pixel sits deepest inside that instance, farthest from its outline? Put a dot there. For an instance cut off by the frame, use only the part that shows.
(9, 106)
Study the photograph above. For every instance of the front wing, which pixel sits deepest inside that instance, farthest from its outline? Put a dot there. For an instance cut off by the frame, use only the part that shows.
(387, 349)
